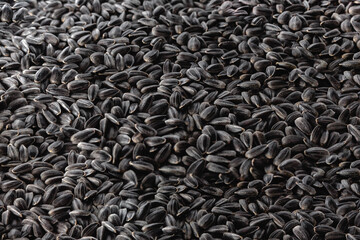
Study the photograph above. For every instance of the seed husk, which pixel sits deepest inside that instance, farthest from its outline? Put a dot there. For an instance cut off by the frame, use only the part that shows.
(179, 119)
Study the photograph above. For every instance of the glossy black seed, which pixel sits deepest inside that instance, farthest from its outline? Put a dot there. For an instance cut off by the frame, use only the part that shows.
(179, 119)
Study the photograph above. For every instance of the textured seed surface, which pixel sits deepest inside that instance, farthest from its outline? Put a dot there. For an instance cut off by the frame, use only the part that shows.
(160, 119)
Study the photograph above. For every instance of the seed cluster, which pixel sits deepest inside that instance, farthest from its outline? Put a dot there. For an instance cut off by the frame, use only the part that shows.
(180, 119)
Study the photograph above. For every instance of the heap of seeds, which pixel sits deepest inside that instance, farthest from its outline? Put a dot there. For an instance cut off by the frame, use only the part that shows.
(180, 119)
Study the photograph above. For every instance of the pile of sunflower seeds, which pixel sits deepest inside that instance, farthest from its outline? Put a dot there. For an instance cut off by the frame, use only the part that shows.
(180, 119)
